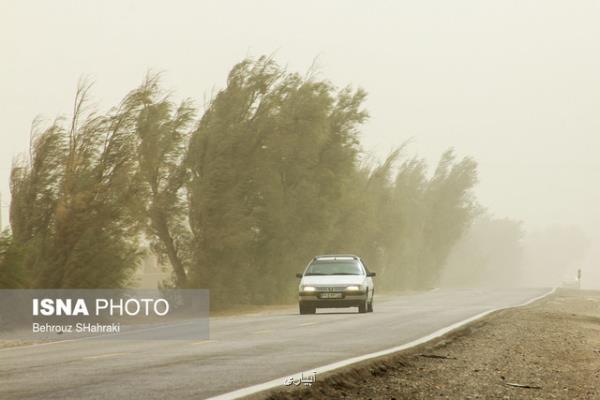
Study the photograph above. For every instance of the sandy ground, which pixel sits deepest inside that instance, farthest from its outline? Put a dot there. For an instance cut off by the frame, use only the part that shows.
(547, 350)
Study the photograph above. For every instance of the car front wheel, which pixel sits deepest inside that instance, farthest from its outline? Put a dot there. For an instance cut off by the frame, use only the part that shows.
(363, 307)
(304, 309)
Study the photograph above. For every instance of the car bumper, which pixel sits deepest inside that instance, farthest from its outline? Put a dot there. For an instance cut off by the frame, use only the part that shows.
(347, 300)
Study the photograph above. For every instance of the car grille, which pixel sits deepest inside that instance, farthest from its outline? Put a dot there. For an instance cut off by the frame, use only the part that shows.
(330, 289)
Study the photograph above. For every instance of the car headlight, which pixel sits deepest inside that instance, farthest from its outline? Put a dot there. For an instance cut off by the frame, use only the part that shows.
(309, 288)
(353, 288)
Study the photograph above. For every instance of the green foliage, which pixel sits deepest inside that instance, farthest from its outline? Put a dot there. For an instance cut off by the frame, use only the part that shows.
(70, 203)
(405, 223)
(12, 275)
(276, 178)
(162, 139)
(270, 160)
(271, 175)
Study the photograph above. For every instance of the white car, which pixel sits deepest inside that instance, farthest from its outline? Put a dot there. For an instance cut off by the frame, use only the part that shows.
(337, 280)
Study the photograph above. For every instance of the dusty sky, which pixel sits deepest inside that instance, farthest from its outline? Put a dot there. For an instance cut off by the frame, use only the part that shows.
(514, 84)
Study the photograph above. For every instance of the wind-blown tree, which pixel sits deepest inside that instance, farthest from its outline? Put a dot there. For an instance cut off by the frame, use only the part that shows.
(71, 199)
(395, 198)
(405, 225)
(307, 168)
(450, 208)
(372, 219)
(162, 138)
(410, 184)
(270, 160)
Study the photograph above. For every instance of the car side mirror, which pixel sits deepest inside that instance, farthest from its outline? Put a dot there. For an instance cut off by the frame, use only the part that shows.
(298, 275)
(371, 274)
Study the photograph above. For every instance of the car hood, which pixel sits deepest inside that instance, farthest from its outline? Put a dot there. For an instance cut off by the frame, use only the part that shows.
(332, 280)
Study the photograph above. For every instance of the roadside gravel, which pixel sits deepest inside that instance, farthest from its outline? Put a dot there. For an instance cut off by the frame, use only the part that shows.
(547, 350)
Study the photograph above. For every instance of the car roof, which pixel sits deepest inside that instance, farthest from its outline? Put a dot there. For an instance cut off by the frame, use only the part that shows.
(333, 257)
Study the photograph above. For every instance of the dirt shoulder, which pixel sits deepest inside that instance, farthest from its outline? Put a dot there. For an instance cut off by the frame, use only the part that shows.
(552, 347)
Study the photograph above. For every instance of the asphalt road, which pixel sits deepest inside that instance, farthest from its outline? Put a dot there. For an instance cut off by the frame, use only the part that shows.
(242, 350)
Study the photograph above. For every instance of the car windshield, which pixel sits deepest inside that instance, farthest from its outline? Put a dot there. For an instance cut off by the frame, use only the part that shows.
(334, 268)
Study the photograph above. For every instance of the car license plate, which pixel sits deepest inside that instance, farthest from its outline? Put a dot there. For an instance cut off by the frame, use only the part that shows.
(330, 295)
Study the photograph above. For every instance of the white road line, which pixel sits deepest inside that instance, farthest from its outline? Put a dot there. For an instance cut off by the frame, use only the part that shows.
(264, 332)
(202, 342)
(110, 355)
(236, 394)
(308, 324)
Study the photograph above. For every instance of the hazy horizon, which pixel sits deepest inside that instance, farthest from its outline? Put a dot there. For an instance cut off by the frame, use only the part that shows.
(514, 86)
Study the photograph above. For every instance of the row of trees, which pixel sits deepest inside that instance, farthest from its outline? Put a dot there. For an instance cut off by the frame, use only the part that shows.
(238, 200)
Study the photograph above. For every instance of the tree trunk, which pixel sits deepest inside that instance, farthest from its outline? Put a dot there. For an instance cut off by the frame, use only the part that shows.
(162, 230)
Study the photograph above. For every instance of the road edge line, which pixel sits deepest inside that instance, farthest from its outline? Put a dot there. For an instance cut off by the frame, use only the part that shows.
(254, 389)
